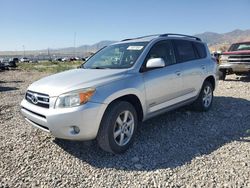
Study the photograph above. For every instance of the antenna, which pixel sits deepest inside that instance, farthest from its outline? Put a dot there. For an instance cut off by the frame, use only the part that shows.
(74, 44)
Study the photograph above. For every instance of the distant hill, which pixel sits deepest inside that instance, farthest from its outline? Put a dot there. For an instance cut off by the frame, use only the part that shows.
(215, 41)
(218, 41)
(84, 48)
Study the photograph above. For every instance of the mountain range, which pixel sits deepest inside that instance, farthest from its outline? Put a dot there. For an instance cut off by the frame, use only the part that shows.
(222, 41)
(215, 41)
(211, 38)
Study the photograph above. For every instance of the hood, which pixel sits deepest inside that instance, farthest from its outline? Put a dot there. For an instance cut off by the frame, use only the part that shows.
(236, 52)
(63, 82)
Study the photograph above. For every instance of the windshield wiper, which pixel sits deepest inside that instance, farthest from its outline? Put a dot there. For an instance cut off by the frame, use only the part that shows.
(99, 68)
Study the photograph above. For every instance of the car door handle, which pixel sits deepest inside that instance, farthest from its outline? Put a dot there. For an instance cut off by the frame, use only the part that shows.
(203, 67)
(178, 73)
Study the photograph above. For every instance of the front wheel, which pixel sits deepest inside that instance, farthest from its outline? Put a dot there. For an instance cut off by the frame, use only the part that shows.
(222, 74)
(118, 127)
(205, 98)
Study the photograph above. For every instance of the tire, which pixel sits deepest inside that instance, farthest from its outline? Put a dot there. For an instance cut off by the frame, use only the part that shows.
(222, 74)
(114, 125)
(205, 99)
(240, 74)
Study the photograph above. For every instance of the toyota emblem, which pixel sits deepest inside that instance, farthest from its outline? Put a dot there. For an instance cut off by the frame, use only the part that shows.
(34, 99)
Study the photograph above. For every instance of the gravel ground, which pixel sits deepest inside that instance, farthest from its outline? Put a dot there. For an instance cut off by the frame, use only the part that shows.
(181, 148)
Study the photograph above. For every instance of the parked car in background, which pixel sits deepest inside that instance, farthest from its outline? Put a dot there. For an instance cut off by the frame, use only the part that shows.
(65, 59)
(4, 64)
(24, 60)
(121, 85)
(13, 62)
(74, 58)
(236, 60)
(58, 59)
(216, 55)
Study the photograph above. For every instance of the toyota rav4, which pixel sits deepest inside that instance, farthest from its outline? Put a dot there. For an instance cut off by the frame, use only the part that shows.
(121, 85)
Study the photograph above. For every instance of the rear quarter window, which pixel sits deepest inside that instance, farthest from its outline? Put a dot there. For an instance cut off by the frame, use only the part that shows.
(185, 50)
(201, 50)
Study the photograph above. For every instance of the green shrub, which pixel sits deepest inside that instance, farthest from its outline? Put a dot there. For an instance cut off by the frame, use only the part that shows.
(50, 67)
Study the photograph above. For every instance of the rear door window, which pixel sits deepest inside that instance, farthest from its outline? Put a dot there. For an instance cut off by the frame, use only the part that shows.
(184, 50)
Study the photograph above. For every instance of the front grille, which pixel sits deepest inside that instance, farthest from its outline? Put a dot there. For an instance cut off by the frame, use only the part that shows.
(38, 99)
(239, 58)
(34, 113)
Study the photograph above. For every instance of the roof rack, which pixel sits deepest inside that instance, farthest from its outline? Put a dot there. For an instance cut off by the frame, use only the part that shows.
(163, 35)
(173, 34)
(141, 37)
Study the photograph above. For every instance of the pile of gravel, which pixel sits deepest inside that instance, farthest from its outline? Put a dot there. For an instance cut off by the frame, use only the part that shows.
(181, 148)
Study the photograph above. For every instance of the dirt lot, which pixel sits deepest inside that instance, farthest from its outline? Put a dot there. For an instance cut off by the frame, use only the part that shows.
(180, 148)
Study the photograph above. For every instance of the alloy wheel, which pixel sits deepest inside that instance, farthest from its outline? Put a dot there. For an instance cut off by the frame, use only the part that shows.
(124, 128)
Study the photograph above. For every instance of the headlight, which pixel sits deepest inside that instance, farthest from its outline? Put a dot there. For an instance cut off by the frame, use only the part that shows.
(74, 98)
(223, 58)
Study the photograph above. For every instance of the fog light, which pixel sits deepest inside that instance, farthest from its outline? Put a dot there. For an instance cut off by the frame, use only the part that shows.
(74, 130)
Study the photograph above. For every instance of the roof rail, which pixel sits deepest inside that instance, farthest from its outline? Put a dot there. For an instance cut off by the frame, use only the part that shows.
(140, 37)
(174, 34)
(163, 35)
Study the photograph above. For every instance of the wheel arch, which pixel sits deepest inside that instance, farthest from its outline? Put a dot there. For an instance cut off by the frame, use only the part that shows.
(212, 80)
(133, 99)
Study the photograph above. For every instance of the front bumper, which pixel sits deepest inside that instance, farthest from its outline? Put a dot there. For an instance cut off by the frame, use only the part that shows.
(59, 122)
(235, 67)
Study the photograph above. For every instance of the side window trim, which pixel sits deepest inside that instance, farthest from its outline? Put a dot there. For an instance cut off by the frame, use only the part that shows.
(177, 57)
(143, 66)
(196, 51)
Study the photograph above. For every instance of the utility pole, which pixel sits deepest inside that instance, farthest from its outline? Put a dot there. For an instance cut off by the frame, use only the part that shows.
(75, 44)
(23, 51)
(49, 54)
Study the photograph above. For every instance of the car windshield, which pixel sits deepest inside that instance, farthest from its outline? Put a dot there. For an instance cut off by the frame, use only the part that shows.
(240, 46)
(117, 56)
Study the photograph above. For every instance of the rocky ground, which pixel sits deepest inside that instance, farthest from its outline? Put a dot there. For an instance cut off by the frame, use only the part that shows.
(178, 149)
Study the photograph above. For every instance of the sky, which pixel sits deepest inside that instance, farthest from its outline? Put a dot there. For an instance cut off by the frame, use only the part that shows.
(42, 24)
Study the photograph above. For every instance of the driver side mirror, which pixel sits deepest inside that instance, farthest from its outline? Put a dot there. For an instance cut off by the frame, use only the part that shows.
(155, 63)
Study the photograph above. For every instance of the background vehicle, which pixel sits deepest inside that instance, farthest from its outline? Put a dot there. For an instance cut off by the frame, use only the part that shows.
(65, 59)
(13, 62)
(24, 60)
(236, 60)
(2, 66)
(216, 55)
(74, 59)
(121, 85)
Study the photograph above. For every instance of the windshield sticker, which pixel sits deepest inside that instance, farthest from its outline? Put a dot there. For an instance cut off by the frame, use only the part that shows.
(134, 47)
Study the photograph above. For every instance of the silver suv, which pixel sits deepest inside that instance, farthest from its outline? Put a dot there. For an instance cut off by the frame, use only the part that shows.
(121, 85)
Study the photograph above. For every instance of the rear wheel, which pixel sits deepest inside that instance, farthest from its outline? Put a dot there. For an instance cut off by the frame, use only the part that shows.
(205, 99)
(118, 127)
